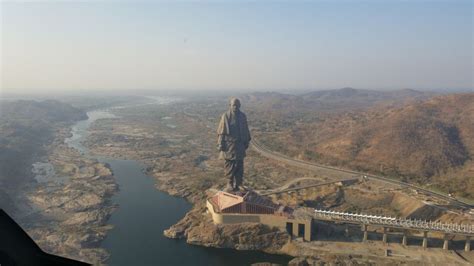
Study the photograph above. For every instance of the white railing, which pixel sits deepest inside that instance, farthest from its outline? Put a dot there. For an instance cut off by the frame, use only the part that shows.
(404, 223)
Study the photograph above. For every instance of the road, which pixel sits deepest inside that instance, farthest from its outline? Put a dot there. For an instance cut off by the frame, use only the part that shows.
(287, 188)
(262, 150)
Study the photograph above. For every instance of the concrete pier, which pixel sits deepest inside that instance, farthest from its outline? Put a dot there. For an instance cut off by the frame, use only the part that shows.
(425, 239)
(366, 234)
(404, 239)
(294, 229)
(384, 237)
(446, 242)
(467, 247)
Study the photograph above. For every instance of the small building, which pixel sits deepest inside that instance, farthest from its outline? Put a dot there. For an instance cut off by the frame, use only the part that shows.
(250, 207)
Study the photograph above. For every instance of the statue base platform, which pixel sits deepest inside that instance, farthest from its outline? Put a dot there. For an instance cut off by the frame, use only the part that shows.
(247, 206)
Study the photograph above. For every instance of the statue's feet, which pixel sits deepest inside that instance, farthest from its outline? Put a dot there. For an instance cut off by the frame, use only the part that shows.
(240, 189)
(229, 188)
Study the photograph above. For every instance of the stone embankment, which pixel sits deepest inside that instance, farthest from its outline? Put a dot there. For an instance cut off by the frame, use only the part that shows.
(67, 212)
(198, 229)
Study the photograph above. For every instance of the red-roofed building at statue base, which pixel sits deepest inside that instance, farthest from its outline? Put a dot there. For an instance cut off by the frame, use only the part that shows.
(250, 207)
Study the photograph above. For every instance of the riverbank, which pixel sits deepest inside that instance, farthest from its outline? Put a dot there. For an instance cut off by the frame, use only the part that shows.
(66, 210)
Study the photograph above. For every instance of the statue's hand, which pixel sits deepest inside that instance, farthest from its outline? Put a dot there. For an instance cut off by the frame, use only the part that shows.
(221, 147)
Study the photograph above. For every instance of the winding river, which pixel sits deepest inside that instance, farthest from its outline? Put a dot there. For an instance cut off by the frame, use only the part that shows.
(144, 212)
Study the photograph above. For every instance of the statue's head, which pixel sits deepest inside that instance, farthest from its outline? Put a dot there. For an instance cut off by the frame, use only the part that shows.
(234, 104)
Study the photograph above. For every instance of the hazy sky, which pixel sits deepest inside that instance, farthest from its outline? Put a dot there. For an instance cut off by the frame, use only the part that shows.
(68, 45)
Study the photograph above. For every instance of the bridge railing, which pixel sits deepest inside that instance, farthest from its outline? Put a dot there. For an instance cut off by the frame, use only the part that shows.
(412, 224)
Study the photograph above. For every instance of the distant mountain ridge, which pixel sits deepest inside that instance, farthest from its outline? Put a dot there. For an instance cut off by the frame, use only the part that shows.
(51, 111)
(333, 100)
(368, 95)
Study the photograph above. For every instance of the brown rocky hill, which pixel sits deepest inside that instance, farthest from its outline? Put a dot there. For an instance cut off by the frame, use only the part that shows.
(429, 142)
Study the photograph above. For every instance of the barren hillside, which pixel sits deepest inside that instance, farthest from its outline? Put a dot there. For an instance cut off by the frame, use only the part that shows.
(429, 142)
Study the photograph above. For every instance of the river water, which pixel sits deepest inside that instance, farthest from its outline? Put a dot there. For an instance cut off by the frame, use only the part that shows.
(144, 212)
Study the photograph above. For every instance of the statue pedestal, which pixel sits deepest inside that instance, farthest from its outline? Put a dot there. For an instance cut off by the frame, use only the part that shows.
(249, 207)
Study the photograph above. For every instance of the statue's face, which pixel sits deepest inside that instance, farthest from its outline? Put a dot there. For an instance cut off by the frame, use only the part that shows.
(234, 105)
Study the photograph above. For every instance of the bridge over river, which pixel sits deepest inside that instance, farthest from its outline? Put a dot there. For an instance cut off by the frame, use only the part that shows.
(392, 224)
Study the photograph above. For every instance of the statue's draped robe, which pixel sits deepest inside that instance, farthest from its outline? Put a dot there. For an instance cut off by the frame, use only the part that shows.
(234, 138)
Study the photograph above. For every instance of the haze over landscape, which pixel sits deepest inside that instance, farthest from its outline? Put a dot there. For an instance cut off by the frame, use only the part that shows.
(109, 111)
(223, 45)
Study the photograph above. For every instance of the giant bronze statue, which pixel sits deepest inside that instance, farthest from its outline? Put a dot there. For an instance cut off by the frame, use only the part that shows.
(233, 140)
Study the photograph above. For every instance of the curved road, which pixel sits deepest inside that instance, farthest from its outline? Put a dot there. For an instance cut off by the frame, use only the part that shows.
(314, 166)
(286, 187)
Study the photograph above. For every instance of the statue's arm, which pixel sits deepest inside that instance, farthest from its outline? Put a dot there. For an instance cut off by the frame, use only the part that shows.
(248, 133)
(220, 136)
(220, 142)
